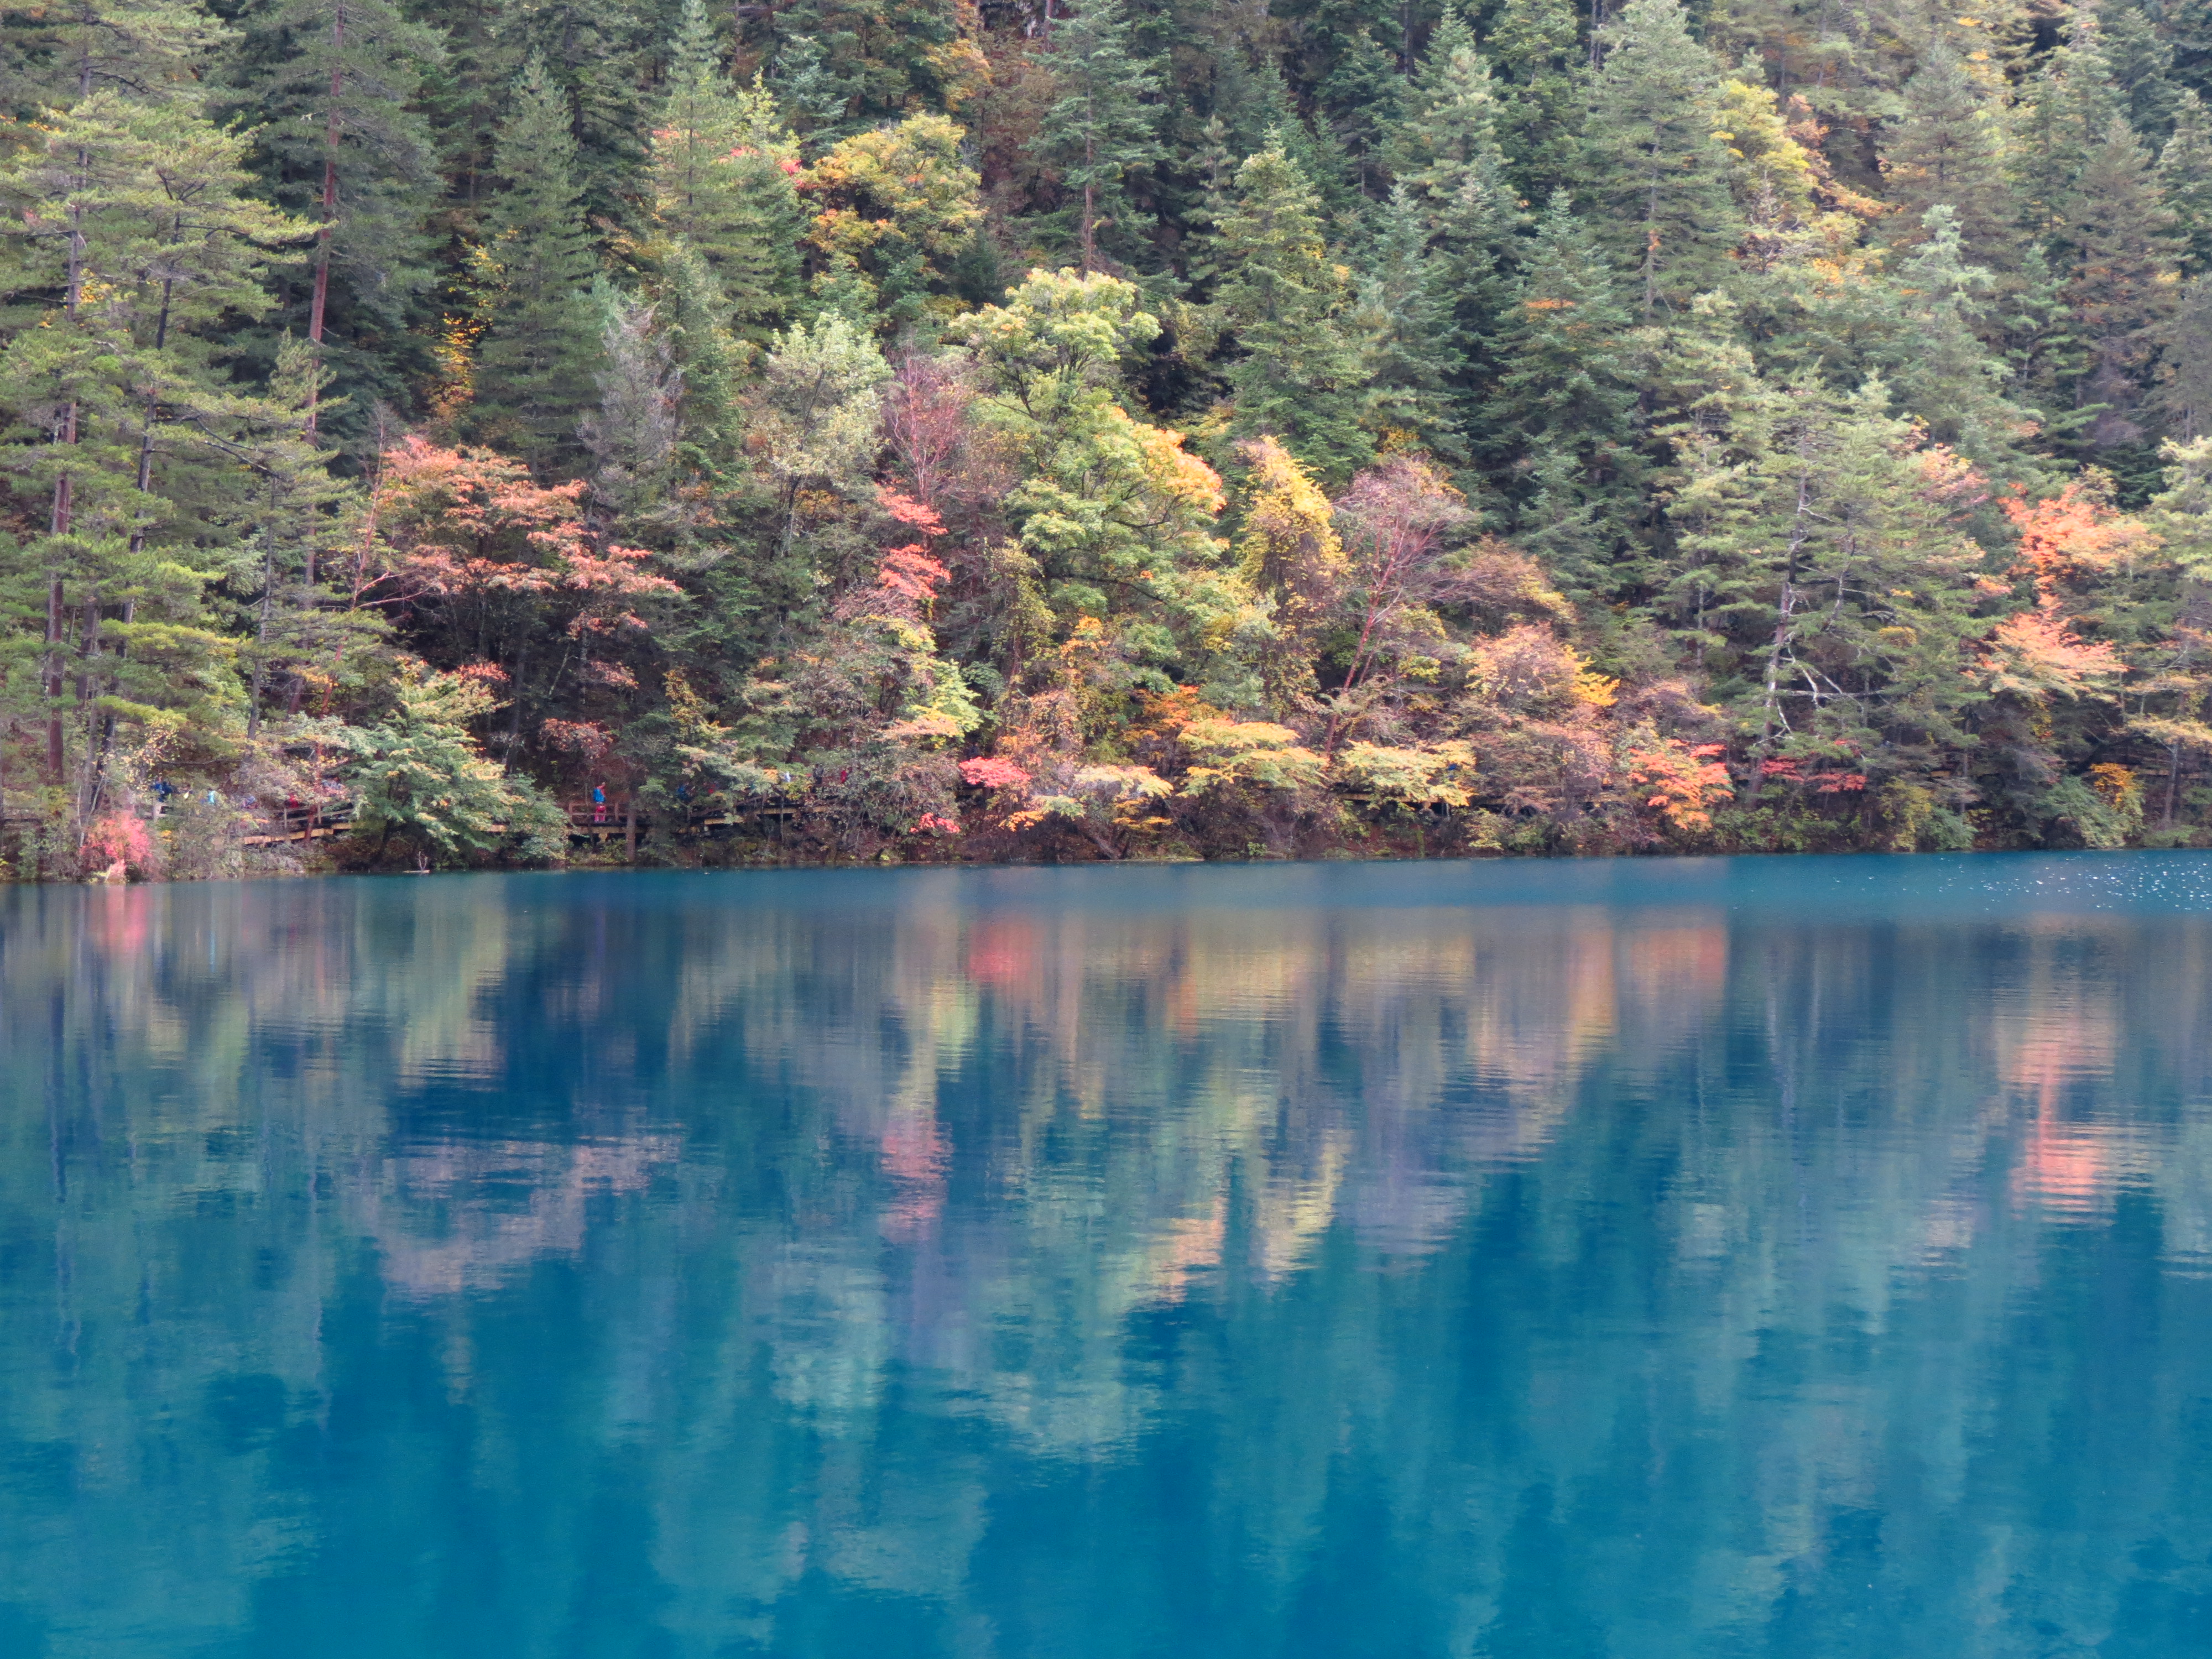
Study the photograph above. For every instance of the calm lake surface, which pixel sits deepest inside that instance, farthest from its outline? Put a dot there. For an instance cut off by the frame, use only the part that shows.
(1780, 1257)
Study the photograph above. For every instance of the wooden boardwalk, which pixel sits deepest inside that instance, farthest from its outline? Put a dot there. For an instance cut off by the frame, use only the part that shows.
(316, 822)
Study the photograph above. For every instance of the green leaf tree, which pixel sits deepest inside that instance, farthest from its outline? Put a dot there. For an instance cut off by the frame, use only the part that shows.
(420, 776)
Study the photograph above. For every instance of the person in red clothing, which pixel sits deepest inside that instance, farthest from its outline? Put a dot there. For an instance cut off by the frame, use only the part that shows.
(599, 803)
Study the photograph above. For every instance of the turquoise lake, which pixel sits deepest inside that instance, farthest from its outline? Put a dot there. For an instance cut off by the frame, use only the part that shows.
(1790, 1257)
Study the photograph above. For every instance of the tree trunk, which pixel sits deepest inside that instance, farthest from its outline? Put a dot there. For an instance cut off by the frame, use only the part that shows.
(261, 628)
(98, 791)
(51, 679)
(64, 495)
(320, 304)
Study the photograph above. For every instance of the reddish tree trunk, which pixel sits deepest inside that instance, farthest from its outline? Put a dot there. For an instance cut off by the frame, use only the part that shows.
(320, 304)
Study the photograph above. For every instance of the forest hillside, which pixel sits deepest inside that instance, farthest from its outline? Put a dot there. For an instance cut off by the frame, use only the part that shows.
(1100, 428)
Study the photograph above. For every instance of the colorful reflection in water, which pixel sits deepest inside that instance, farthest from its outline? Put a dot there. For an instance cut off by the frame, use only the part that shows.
(1807, 1257)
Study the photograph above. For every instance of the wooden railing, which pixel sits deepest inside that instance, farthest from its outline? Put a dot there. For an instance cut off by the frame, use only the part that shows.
(311, 820)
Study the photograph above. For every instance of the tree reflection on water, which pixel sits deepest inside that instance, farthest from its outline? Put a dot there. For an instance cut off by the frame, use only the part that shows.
(1570, 1275)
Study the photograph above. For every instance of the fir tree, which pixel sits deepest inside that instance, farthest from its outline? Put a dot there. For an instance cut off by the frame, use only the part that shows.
(2183, 400)
(632, 437)
(1446, 142)
(1446, 154)
(1297, 376)
(1561, 414)
(1945, 149)
(2187, 26)
(2141, 62)
(2185, 182)
(534, 373)
(1537, 53)
(2121, 284)
(1940, 366)
(890, 58)
(1358, 97)
(2064, 113)
(814, 97)
(599, 55)
(1411, 347)
(1100, 129)
(721, 175)
(1660, 177)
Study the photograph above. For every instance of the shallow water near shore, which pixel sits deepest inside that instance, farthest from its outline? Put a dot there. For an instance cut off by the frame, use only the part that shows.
(1691, 1257)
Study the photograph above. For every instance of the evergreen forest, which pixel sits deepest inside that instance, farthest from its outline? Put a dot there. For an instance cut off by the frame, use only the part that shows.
(955, 429)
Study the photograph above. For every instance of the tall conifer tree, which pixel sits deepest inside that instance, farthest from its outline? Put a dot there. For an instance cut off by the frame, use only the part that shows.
(1298, 376)
(332, 85)
(1560, 416)
(1945, 148)
(2185, 181)
(1659, 173)
(722, 182)
(1534, 47)
(1100, 129)
(534, 374)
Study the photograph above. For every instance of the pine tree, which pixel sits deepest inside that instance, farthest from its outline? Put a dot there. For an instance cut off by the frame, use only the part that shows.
(722, 172)
(1660, 177)
(1100, 129)
(332, 85)
(1296, 377)
(1537, 53)
(1945, 148)
(1854, 637)
(132, 222)
(534, 371)
(2185, 181)
(149, 48)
